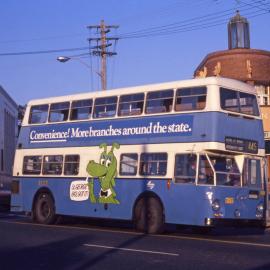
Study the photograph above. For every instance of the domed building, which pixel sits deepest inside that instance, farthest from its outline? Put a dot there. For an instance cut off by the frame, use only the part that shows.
(242, 63)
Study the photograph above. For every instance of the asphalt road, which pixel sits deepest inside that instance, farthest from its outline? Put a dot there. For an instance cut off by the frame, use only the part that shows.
(78, 245)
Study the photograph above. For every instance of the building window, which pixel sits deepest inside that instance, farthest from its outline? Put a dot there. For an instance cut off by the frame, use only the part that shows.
(131, 104)
(71, 166)
(189, 99)
(159, 101)
(185, 168)
(52, 165)
(128, 164)
(81, 109)
(32, 164)
(153, 164)
(38, 114)
(105, 107)
(59, 112)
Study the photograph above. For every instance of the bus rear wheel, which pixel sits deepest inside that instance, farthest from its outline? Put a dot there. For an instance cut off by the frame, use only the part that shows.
(44, 209)
(148, 216)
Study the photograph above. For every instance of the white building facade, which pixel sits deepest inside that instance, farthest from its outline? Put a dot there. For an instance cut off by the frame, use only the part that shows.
(8, 137)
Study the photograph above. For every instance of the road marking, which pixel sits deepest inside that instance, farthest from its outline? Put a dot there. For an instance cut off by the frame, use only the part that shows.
(133, 250)
(148, 235)
(218, 241)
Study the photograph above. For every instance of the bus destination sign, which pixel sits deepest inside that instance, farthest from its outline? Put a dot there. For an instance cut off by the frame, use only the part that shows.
(241, 145)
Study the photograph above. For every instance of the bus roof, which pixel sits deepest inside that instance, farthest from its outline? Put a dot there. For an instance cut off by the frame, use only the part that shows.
(231, 83)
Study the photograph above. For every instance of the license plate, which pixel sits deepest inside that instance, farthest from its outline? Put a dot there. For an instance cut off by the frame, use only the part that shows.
(229, 200)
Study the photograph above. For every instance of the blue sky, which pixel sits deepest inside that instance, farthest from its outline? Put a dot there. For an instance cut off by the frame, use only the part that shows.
(33, 25)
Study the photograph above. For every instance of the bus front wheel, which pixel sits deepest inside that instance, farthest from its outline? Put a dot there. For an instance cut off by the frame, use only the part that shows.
(44, 209)
(148, 215)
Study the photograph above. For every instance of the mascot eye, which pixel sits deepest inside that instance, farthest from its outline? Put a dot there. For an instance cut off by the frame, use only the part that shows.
(102, 161)
(108, 163)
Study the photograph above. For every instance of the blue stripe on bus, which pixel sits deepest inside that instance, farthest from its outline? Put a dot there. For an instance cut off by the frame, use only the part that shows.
(170, 128)
(185, 203)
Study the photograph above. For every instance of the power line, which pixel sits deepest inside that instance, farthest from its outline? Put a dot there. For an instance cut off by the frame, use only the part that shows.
(196, 23)
(257, 6)
(194, 20)
(191, 24)
(44, 52)
(186, 29)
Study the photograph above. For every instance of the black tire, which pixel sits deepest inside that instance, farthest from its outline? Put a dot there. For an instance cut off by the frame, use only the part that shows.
(148, 216)
(44, 209)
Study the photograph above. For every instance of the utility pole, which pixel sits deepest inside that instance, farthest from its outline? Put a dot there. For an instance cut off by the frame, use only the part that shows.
(101, 48)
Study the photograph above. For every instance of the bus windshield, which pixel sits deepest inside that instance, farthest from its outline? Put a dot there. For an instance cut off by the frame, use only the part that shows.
(227, 172)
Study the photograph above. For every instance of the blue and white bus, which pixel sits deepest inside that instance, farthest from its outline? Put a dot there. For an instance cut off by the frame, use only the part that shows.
(185, 152)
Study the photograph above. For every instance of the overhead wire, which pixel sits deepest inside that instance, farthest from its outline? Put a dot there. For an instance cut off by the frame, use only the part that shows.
(192, 24)
(43, 51)
(187, 21)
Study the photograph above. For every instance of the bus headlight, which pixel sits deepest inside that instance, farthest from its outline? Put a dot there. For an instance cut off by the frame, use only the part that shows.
(216, 205)
(259, 210)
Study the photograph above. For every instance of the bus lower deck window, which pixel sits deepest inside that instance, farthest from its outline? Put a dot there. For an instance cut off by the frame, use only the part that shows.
(252, 173)
(185, 168)
(226, 169)
(32, 164)
(71, 166)
(205, 174)
(52, 165)
(153, 164)
(128, 164)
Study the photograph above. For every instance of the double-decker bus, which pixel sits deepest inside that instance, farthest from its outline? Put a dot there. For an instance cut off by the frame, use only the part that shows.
(186, 152)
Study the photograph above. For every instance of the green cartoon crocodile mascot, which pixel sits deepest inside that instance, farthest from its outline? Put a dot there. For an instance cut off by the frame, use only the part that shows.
(105, 171)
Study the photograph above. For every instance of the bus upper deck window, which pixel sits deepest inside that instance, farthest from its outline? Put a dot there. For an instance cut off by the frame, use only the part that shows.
(159, 101)
(38, 114)
(81, 109)
(59, 112)
(131, 104)
(248, 104)
(229, 100)
(189, 99)
(240, 102)
(105, 107)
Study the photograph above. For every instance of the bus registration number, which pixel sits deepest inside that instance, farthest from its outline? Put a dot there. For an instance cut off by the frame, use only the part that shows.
(229, 200)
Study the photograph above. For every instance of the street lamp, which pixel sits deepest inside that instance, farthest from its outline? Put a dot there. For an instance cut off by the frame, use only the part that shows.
(64, 59)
